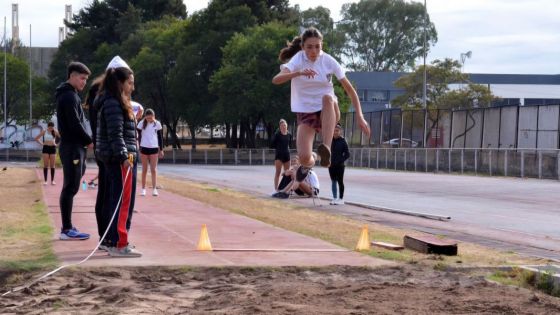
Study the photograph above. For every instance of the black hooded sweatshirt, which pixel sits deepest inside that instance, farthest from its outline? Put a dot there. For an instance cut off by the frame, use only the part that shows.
(70, 117)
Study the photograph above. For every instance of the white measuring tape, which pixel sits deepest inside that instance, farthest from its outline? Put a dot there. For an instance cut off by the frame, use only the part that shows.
(16, 289)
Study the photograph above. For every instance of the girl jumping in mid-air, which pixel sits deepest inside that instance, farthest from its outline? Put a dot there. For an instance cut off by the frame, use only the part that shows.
(312, 96)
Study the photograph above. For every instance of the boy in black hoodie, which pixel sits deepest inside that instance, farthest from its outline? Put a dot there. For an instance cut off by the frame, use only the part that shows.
(74, 141)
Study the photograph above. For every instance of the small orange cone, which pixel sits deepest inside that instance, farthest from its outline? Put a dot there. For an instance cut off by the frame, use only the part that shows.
(363, 242)
(204, 240)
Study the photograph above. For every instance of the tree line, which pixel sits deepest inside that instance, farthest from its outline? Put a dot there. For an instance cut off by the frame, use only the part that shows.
(214, 66)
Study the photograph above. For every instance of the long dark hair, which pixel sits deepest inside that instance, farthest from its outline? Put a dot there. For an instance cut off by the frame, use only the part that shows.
(295, 45)
(93, 91)
(148, 112)
(112, 85)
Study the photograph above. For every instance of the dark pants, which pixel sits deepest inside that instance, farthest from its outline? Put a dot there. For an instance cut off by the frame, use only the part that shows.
(101, 224)
(336, 173)
(117, 182)
(73, 158)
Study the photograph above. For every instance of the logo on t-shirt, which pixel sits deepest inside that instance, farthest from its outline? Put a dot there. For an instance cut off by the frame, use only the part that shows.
(329, 77)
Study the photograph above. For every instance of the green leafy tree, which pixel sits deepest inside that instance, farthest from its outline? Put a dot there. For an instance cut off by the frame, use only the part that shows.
(17, 92)
(152, 66)
(105, 25)
(320, 18)
(385, 35)
(242, 84)
(440, 75)
(209, 31)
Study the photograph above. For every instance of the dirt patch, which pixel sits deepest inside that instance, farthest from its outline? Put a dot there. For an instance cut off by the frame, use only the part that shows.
(333, 290)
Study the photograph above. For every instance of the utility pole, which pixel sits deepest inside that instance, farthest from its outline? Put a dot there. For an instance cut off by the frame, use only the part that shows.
(30, 85)
(425, 76)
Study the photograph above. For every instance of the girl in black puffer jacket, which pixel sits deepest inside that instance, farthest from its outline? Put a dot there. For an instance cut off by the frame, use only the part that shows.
(116, 148)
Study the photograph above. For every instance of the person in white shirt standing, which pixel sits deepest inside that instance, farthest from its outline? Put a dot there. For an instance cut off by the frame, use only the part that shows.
(151, 148)
(312, 96)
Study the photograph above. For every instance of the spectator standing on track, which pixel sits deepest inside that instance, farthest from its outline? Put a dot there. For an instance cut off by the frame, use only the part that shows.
(151, 148)
(48, 141)
(340, 154)
(281, 144)
(74, 141)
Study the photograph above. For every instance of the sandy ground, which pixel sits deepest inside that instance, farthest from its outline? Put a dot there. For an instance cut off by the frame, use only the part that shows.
(409, 289)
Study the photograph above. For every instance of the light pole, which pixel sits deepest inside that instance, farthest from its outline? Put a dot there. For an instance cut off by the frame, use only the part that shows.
(424, 48)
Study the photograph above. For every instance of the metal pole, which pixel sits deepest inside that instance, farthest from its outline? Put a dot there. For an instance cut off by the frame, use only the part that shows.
(462, 160)
(263, 157)
(475, 162)
(506, 162)
(424, 102)
(540, 164)
(5, 80)
(30, 86)
(522, 164)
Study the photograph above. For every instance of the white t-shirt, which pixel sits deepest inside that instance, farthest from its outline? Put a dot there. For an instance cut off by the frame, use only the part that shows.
(149, 134)
(307, 93)
(312, 180)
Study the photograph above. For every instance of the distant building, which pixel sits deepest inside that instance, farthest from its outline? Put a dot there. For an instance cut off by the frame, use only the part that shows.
(376, 90)
(41, 58)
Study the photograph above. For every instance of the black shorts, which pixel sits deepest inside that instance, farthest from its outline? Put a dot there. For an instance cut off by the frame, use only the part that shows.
(300, 192)
(283, 156)
(49, 149)
(149, 151)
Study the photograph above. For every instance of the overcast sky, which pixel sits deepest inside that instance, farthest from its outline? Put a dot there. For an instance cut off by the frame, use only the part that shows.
(505, 36)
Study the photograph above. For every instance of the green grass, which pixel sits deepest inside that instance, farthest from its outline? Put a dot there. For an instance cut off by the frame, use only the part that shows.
(526, 279)
(25, 227)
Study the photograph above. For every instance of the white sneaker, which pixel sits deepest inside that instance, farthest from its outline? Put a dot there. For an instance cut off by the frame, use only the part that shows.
(143, 192)
(155, 192)
(53, 183)
(333, 201)
(339, 202)
(127, 251)
(45, 183)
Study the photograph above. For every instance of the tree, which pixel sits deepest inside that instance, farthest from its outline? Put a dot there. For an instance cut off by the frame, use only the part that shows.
(242, 84)
(439, 94)
(385, 35)
(17, 92)
(320, 18)
(105, 25)
(152, 66)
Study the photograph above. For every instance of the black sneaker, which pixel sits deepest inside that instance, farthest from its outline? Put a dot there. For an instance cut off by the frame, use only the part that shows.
(281, 195)
(325, 154)
(301, 173)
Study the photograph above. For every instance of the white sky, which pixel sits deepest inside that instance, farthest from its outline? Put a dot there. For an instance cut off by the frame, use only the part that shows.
(505, 36)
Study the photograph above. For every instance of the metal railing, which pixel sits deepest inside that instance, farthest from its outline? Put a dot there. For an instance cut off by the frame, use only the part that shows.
(532, 163)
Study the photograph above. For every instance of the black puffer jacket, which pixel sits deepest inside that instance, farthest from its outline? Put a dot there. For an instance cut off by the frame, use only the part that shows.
(116, 132)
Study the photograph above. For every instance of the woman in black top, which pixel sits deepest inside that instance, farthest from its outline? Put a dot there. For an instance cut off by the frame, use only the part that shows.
(116, 147)
(340, 154)
(281, 143)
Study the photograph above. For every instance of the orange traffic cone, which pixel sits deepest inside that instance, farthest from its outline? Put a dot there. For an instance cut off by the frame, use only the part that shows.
(363, 242)
(204, 240)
